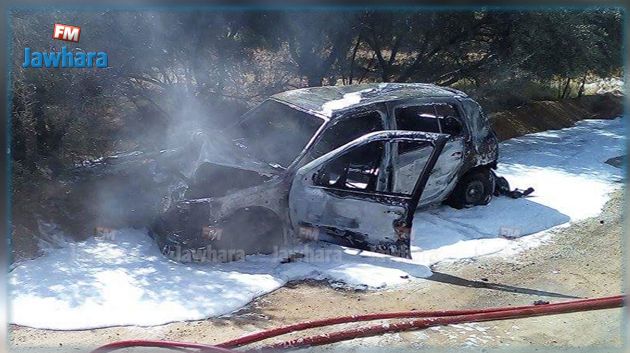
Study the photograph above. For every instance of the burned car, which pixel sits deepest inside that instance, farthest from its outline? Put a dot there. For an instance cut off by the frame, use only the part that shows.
(350, 164)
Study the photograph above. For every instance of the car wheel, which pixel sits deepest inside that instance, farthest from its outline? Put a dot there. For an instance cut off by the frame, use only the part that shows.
(475, 188)
(246, 232)
(249, 232)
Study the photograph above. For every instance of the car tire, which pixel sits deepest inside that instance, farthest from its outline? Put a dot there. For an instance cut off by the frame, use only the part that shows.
(474, 188)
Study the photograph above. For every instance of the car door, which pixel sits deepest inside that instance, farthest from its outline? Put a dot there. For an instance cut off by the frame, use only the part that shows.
(335, 197)
(430, 116)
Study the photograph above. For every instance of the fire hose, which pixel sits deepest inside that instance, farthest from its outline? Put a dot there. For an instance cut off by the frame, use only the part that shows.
(420, 320)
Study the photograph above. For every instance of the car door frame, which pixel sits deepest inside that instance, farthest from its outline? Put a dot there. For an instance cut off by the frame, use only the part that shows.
(465, 134)
(401, 227)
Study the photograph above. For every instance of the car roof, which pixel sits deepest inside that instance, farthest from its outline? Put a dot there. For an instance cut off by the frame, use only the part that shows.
(329, 101)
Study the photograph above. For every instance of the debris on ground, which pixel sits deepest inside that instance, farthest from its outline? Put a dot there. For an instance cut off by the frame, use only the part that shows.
(616, 161)
(292, 258)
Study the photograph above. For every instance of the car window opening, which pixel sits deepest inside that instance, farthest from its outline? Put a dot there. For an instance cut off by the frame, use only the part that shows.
(358, 169)
(436, 118)
(274, 132)
(347, 130)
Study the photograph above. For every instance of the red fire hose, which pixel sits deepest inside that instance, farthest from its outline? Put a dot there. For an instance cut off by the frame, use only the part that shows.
(262, 335)
(205, 348)
(428, 319)
(510, 313)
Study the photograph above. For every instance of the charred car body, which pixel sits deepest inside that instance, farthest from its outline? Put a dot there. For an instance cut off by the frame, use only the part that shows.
(348, 163)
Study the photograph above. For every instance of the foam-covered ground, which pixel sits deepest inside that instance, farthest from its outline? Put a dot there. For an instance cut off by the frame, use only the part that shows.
(122, 279)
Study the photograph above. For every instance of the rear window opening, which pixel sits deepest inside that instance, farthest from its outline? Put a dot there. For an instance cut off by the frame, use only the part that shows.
(437, 117)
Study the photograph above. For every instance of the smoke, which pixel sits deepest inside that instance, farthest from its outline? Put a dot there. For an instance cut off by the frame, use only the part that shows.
(160, 93)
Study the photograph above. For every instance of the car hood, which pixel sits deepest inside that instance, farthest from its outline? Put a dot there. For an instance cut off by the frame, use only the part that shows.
(220, 150)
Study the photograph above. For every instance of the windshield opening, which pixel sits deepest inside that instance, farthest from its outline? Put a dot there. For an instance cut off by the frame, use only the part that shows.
(274, 132)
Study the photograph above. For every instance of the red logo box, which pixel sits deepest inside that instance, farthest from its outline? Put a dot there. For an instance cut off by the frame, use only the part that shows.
(66, 32)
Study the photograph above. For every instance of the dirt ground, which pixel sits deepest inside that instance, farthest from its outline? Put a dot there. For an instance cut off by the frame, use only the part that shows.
(582, 260)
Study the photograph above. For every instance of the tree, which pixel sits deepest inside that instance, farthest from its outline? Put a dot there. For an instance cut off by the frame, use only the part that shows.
(568, 45)
(317, 41)
(430, 47)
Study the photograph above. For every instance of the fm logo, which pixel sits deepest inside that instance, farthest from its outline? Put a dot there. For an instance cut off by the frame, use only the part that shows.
(66, 32)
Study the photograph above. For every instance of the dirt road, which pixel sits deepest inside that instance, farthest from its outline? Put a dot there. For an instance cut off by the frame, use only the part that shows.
(583, 260)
